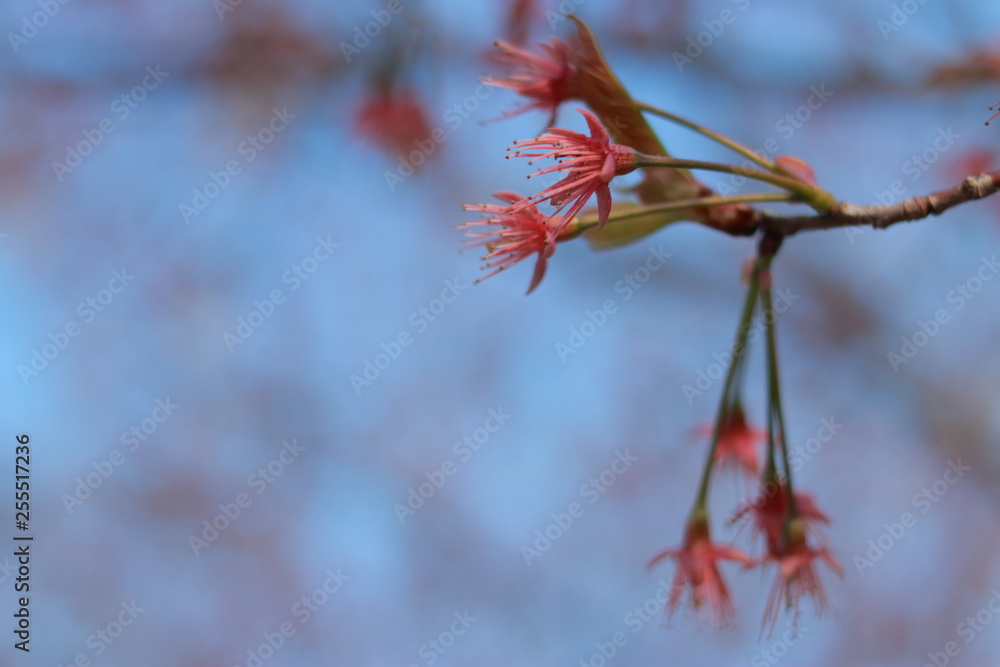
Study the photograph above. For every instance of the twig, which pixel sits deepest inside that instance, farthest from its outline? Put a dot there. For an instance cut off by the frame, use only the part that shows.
(879, 217)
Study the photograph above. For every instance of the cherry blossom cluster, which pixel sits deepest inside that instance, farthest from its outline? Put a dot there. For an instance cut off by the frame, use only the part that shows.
(784, 522)
(620, 141)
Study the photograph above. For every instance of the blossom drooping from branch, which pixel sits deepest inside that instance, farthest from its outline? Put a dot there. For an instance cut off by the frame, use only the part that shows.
(520, 231)
(738, 444)
(588, 162)
(768, 512)
(698, 571)
(796, 576)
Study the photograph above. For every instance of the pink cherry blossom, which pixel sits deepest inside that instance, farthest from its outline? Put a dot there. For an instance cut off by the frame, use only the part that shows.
(545, 80)
(519, 233)
(590, 163)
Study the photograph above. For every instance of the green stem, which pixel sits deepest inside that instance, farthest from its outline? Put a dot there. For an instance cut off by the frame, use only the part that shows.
(819, 199)
(784, 182)
(590, 221)
(739, 349)
(714, 136)
(775, 416)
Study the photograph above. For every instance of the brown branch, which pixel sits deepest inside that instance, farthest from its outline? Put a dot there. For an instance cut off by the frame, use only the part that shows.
(879, 217)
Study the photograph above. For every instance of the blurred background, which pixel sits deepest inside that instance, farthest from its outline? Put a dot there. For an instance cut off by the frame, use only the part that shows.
(273, 422)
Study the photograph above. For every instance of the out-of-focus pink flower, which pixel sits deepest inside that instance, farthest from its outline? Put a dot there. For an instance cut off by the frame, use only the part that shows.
(973, 162)
(519, 233)
(588, 162)
(698, 571)
(768, 512)
(738, 442)
(796, 577)
(393, 121)
(545, 80)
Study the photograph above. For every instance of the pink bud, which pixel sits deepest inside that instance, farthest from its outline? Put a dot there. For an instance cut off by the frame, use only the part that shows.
(800, 169)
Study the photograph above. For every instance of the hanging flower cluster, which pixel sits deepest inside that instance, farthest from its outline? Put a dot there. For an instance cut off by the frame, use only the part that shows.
(784, 521)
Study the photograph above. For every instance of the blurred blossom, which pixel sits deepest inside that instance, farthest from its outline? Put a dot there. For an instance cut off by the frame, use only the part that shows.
(265, 53)
(698, 560)
(546, 80)
(979, 65)
(739, 442)
(973, 162)
(392, 120)
(796, 577)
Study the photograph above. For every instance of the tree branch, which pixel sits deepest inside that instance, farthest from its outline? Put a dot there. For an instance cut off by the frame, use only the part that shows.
(879, 217)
